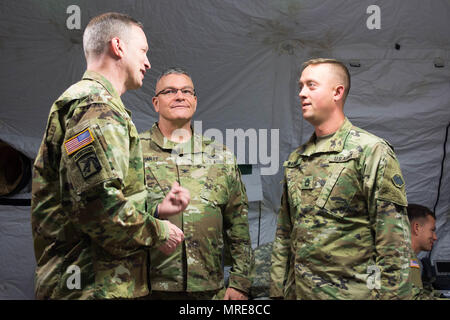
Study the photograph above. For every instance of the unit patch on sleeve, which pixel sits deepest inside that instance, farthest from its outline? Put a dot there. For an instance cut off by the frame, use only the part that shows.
(87, 162)
(398, 181)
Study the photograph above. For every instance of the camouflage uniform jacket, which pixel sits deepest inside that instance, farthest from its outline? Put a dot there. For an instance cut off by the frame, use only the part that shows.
(88, 199)
(342, 226)
(416, 274)
(216, 217)
(421, 291)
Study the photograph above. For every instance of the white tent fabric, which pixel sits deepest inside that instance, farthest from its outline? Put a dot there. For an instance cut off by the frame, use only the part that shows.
(245, 59)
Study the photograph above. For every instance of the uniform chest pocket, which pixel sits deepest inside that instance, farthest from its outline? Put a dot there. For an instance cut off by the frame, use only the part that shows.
(214, 191)
(213, 201)
(339, 190)
(215, 196)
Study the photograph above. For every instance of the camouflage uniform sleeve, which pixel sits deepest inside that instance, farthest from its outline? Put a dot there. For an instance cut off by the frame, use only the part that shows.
(237, 235)
(425, 293)
(281, 248)
(385, 190)
(116, 222)
(420, 290)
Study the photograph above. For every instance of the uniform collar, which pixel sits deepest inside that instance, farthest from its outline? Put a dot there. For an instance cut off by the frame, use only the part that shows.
(335, 143)
(197, 143)
(92, 75)
(105, 83)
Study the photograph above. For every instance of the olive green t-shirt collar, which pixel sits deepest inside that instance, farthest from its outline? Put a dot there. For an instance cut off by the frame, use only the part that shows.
(330, 143)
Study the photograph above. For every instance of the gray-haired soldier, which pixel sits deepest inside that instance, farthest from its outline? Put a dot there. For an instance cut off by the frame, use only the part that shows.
(216, 218)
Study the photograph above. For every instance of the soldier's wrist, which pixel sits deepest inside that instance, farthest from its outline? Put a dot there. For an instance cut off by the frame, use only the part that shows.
(239, 283)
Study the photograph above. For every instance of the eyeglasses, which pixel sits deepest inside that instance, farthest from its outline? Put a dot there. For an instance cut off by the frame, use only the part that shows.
(171, 92)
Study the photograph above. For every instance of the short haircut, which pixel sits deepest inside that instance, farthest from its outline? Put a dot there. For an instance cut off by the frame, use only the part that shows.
(101, 29)
(173, 70)
(344, 74)
(417, 211)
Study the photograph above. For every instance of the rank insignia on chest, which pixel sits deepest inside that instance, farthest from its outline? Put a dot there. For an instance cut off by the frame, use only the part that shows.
(307, 183)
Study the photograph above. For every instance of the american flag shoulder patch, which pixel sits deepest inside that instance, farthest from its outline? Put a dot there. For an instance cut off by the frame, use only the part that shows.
(79, 141)
(414, 264)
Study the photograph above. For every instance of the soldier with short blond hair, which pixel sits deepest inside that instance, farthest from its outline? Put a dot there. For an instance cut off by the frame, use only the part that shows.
(343, 231)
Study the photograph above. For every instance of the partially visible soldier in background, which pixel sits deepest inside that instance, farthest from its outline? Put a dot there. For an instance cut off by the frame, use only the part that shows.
(343, 231)
(216, 217)
(423, 235)
(89, 220)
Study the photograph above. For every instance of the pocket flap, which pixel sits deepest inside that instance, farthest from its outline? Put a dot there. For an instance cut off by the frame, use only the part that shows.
(326, 190)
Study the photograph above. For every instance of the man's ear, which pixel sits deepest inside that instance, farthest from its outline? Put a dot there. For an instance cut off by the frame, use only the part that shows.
(116, 47)
(415, 228)
(155, 104)
(338, 93)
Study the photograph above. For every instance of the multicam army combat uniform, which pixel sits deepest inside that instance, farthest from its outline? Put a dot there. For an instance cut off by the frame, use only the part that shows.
(416, 274)
(89, 222)
(342, 232)
(420, 291)
(216, 216)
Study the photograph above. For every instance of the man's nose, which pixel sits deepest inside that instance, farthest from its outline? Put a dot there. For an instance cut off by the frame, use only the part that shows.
(147, 63)
(302, 93)
(179, 95)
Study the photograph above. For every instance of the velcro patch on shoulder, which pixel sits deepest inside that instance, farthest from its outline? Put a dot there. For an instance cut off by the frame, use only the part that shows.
(398, 180)
(78, 141)
(393, 185)
(87, 162)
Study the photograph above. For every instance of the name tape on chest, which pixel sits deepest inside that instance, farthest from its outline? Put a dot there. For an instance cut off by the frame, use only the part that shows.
(79, 141)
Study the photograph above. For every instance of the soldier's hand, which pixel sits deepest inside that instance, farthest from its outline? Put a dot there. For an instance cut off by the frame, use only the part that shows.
(176, 236)
(175, 201)
(233, 294)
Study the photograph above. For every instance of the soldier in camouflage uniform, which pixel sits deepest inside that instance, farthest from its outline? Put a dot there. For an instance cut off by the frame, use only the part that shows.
(423, 235)
(89, 220)
(342, 231)
(216, 217)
